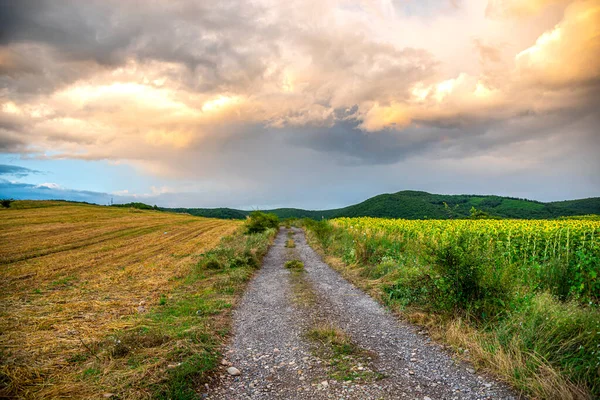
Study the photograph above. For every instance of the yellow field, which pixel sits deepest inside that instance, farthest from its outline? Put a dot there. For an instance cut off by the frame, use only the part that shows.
(73, 274)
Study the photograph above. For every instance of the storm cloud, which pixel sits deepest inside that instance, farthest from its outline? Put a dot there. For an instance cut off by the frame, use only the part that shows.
(341, 98)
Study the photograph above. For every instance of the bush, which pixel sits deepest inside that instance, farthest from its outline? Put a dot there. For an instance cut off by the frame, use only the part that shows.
(379, 270)
(322, 230)
(259, 222)
(466, 277)
(247, 259)
(461, 279)
(5, 203)
(413, 287)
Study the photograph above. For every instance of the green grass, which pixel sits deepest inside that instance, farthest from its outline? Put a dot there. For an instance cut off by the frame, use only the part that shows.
(294, 265)
(517, 321)
(347, 361)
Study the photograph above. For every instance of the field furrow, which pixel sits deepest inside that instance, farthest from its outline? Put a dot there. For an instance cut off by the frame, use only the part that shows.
(73, 275)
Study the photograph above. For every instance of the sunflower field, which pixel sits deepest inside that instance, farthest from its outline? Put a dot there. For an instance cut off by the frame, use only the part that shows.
(525, 293)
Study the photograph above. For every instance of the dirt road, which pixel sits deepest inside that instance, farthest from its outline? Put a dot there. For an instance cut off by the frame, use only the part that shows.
(307, 333)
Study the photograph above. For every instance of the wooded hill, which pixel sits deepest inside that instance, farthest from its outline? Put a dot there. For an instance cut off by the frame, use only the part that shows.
(411, 204)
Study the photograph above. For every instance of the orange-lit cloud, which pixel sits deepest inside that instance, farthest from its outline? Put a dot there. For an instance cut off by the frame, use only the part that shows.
(518, 8)
(162, 83)
(569, 53)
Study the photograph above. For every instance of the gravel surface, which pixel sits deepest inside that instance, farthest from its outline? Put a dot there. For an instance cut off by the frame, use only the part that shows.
(277, 361)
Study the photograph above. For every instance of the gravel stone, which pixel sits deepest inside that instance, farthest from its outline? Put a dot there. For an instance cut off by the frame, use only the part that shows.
(269, 344)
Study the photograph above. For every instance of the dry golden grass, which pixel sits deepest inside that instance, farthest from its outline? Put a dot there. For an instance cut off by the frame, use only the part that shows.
(545, 383)
(73, 274)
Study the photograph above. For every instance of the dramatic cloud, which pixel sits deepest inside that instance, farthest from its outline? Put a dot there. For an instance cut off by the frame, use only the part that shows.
(238, 96)
(16, 171)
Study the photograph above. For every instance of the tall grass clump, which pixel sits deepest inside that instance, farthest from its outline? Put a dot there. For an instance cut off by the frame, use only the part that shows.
(258, 222)
(525, 293)
(237, 251)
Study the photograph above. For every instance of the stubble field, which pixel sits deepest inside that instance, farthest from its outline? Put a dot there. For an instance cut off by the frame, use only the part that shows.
(102, 301)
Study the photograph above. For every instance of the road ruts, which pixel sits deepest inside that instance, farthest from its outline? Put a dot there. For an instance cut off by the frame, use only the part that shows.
(276, 361)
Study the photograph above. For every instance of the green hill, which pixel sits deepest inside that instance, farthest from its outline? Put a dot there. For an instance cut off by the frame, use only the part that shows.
(223, 213)
(418, 205)
(411, 204)
(580, 207)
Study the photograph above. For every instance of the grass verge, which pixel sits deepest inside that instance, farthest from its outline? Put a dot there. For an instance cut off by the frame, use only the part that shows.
(197, 321)
(544, 347)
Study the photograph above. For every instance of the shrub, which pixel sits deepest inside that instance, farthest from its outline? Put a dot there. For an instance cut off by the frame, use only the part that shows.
(259, 222)
(413, 287)
(379, 270)
(242, 260)
(323, 231)
(466, 278)
(211, 263)
(5, 203)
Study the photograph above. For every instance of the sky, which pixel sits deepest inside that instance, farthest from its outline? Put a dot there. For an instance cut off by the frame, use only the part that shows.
(313, 104)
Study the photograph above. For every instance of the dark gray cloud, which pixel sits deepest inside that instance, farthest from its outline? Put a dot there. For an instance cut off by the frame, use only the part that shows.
(353, 146)
(330, 167)
(80, 31)
(221, 44)
(16, 171)
(10, 142)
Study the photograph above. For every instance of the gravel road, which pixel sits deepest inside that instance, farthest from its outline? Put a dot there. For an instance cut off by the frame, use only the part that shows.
(277, 360)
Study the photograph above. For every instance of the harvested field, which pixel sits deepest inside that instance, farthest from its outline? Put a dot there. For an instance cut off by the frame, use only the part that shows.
(79, 281)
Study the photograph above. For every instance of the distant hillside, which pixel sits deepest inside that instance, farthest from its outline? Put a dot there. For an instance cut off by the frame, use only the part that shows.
(224, 213)
(418, 205)
(411, 204)
(580, 207)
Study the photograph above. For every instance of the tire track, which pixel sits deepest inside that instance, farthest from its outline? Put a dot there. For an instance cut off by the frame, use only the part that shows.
(277, 361)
